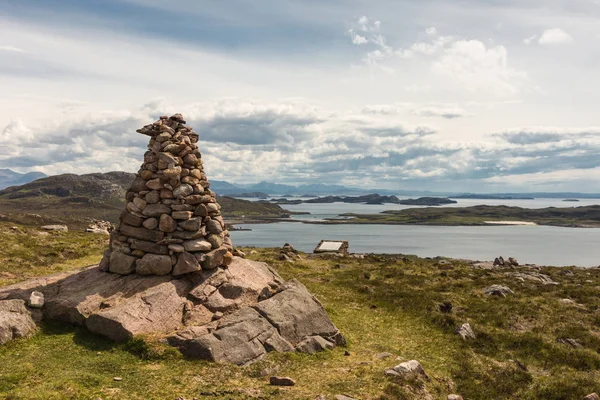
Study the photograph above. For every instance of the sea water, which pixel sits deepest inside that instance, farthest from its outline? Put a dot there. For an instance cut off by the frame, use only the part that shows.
(542, 245)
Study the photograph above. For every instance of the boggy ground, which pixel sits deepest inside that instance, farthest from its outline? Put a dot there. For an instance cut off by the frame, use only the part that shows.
(396, 304)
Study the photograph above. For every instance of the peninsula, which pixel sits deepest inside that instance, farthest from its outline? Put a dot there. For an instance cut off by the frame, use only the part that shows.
(579, 217)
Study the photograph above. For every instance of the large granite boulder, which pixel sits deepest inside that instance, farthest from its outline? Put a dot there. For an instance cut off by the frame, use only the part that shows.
(290, 320)
(233, 314)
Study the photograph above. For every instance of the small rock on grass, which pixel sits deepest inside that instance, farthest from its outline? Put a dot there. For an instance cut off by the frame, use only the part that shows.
(592, 396)
(410, 368)
(498, 290)
(454, 397)
(343, 397)
(60, 228)
(36, 299)
(118, 379)
(281, 381)
(466, 332)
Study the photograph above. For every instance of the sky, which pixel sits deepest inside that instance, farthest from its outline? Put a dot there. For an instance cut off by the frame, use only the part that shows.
(447, 95)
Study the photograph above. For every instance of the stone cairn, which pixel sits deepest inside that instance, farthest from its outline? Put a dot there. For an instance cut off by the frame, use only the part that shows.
(172, 223)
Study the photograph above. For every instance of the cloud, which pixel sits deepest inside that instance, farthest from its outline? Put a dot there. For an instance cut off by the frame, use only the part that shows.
(441, 110)
(374, 58)
(530, 39)
(294, 141)
(371, 91)
(478, 68)
(356, 38)
(546, 135)
(466, 65)
(263, 128)
(367, 24)
(11, 49)
(554, 36)
(414, 88)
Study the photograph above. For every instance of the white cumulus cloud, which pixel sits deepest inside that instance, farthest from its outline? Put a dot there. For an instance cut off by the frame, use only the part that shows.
(554, 36)
(478, 68)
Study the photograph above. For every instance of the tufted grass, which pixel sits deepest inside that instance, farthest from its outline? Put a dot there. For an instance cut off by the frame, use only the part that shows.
(381, 304)
(28, 252)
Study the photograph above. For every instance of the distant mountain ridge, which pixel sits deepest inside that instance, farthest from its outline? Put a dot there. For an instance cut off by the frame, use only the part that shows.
(9, 177)
(224, 188)
(315, 190)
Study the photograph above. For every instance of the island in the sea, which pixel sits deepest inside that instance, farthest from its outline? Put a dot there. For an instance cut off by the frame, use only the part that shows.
(490, 197)
(250, 195)
(579, 217)
(374, 199)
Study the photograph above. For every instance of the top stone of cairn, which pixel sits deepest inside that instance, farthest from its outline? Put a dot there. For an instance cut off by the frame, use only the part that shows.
(172, 222)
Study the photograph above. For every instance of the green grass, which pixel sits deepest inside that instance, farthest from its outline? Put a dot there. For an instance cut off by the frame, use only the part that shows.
(381, 304)
(28, 252)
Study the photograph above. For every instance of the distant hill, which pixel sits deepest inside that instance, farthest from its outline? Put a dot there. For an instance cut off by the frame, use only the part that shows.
(74, 199)
(11, 178)
(108, 186)
(225, 188)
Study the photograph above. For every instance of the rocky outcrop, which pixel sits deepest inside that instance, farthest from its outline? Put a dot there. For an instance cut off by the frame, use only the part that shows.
(59, 228)
(501, 262)
(15, 320)
(235, 314)
(172, 223)
(498, 290)
(288, 318)
(534, 277)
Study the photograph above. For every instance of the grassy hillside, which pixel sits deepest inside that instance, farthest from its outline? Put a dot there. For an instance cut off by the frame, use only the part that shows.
(75, 199)
(404, 305)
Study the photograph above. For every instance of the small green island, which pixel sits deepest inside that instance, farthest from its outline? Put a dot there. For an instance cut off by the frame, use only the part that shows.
(579, 217)
(371, 199)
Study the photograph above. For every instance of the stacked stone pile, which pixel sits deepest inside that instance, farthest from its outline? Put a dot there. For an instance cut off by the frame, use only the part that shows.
(172, 223)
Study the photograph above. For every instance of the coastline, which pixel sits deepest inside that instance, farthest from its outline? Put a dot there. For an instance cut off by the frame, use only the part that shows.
(353, 221)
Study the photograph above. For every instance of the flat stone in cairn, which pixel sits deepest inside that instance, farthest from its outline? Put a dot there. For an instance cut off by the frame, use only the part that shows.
(172, 222)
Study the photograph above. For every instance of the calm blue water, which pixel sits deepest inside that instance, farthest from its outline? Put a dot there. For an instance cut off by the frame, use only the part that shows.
(543, 245)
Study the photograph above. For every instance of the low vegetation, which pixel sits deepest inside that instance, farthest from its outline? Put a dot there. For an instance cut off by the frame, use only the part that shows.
(529, 345)
(588, 216)
(28, 252)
